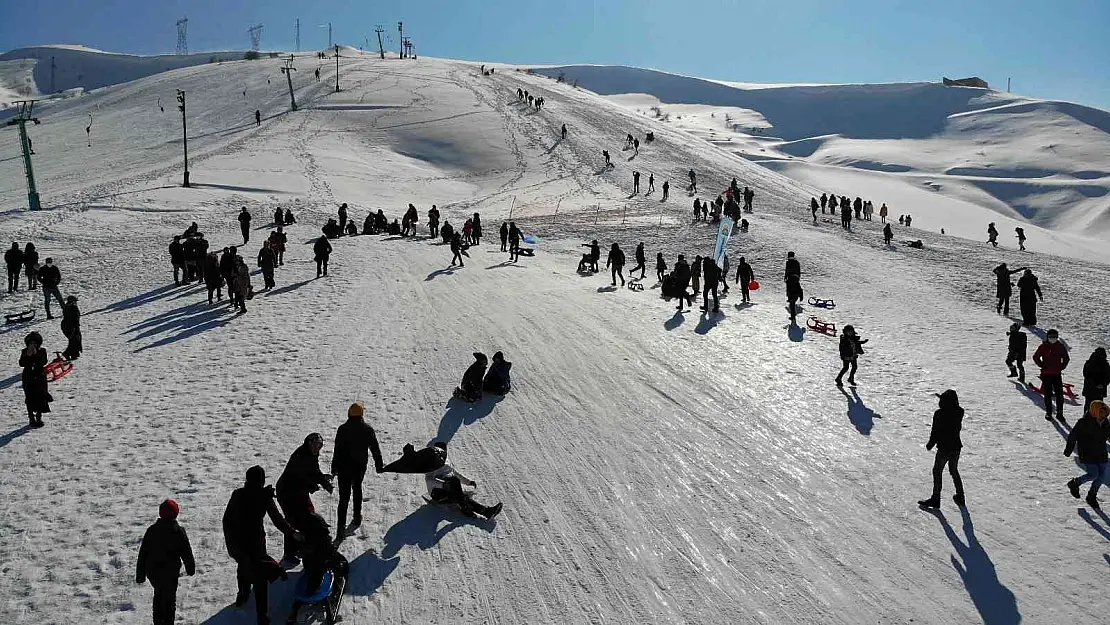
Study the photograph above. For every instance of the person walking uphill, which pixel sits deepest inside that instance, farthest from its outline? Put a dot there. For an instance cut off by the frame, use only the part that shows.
(851, 348)
(165, 548)
(322, 251)
(1029, 291)
(615, 261)
(13, 258)
(245, 539)
(1089, 436)
(245, 224)
(50, 278)
(71, 328)
(641, 260)
(1052, 357)
(1096, 377)
(712, 276)
(1004, 289)
(945, 436)
(744, 277)
(353, 440)
(36, 395)
(267, 260)
(301, 478)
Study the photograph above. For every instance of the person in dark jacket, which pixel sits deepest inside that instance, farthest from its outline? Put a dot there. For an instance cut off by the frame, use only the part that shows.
(1015, 353)
(1096, 377)
(641, 260)
(227, 271)
(590, 259)
(348, 462)
(13, 258)
(793, 267)
(471, 387)
(278, 240)
(1004, 289)
(35, 393)
(242, 283)
(813, 209)
(301, 478)
(267, 260)
(851, 348)
(660, 267)
(165, 548)
(343, 216)
(433, 224)
(680, 281)
(245, 224)
(213, 280)
(744, 277)
(888, 235)
(1089, 436)
(177, 259)
(1052, 357)
(50, 278)
(515, 236)
(279, 219)
(320, 556)
(945, 436)
(289, 219)
(712, 280)
(31, 265)
(457, 250)
(615, 261)
(322, 251)
(1029, 292)
(498, 380)
(824, 202)
(476, 229)
(245, 538)
(794, 295)
(71, 328)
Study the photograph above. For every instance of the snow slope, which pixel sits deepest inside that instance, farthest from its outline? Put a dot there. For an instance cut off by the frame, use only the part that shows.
(1039, 162)
(655, 468)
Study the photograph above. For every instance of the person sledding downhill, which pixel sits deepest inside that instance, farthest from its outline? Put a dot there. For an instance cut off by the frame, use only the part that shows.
(497, 380)
(445, 487)
(325, 572)
(470, 390)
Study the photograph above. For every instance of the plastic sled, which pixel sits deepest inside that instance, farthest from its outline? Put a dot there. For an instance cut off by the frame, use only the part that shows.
(525, 251)
(309, 606)
(822, 303)
(1069, 391)
(820, 325)
(417, 461)
(753, 286)
(635, 286)
(58, 368)
(20, 317)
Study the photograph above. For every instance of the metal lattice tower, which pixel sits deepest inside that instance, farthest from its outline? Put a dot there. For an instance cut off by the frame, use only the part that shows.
(182, 36)
(256, 36)
(297, 36)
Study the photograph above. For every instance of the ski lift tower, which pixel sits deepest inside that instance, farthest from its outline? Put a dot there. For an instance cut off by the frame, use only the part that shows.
(288, 70)
(20, 120)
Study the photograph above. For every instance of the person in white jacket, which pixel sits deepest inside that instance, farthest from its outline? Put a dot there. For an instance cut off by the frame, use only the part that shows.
(445, 486)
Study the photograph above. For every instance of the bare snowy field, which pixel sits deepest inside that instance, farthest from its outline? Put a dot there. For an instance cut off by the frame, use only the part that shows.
(655, 468)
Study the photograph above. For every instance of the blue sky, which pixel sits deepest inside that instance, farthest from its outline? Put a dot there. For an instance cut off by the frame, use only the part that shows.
(1056, 49)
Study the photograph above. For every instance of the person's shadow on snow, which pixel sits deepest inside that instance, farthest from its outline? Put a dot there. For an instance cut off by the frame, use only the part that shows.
(460, 413)
(708, 321)
(425, 527)
(862, 417)
(674, 321)
(446, 271)
(1086, 515)
(368, 573)
(994, 601)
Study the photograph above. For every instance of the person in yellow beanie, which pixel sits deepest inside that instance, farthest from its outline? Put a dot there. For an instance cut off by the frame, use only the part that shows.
(1089, 437)
(353, 440)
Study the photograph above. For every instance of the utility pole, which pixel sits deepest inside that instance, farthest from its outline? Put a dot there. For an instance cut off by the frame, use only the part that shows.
(1007, 85)
(21, 118)
(401, 32)
(406, 44)
(337, 68)
(54, 90)
(297, 39)
(184, 133)
(329, 34)
(381, 48)
(288, 70)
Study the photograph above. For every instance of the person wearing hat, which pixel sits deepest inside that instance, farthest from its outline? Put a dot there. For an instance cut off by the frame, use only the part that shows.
(1052, 357)
(471, 387)
(71, 328)
(945, 436)
(245, 538)
(50, 278)
(1089, 437)
(497, 379)
(353, 439)
(1015, 354)
(164, 549)
(445, 486)
(301, 478)
(35, 392)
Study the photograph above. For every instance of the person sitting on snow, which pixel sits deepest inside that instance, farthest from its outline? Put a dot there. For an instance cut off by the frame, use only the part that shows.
(445, 486)
(320, 556)
(497, 379)
(471, 387)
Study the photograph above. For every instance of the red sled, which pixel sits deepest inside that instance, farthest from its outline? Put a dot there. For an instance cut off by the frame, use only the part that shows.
(820, 325)
(1069, 391)
(58, 368)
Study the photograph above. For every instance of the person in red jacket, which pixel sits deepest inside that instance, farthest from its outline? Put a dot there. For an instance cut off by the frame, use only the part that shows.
(1052, 357)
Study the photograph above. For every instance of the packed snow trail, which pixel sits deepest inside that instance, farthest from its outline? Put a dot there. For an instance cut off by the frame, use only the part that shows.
(654, 467)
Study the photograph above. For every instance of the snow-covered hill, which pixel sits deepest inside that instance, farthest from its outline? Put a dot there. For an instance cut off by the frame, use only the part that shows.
(655, 467)
(953, 157)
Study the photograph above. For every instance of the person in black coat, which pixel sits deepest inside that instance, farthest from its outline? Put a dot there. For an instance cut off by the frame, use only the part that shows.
(301, 478)
(348, 462)
(50, 277)
(641, 259)
(13, 258)
(590, 259)
(322, 251)
(1096, 377)
(177, 259)
(71, 328)
(1004, 289)
(245, 224)
(744, 277)
(267, 260)
(213, 280)
(498, 380)
(794, 295)
(1016, 352)
(945, 436)
(712, 276)
(1029, 292)
(615, 260)
(320, 556)
(660, 267)
(793, 267)
(164, 549)
(289, 219)
(278, 217)
(476, 229)
(680, 281)
(245, 538)
(31, 265)
(515, 236)
(1089, 436)
(470, 389)
(851, 348)
(35, 392)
